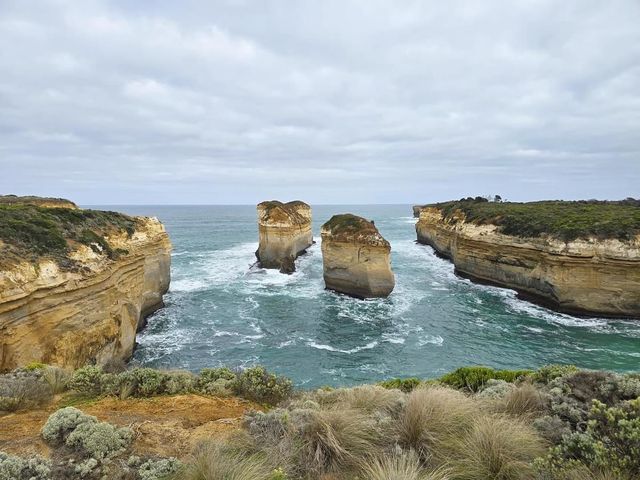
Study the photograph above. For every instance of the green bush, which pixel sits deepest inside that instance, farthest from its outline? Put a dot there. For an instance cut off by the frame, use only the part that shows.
(24, 389)
(159, 469)
(258, 384)
(473, 379)
(403, 384)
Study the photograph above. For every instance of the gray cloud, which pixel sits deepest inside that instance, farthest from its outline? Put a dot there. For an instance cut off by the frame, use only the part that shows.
(332, 102)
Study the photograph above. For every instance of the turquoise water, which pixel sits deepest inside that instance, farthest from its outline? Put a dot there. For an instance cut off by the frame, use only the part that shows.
(221, 312)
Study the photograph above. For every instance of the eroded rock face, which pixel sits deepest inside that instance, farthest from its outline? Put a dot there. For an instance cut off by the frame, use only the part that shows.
(69, 317)
(285, 233)
(593, 277)
(356, 258)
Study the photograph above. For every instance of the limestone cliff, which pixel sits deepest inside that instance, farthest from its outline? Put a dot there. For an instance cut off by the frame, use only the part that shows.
(82, 301)
(285, 233)
(44, 202)
(416, 210)
(582, 276)
(356, 258)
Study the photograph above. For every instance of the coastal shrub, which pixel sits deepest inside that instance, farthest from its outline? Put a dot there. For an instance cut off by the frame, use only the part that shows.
(550, 372)
(218, 461)
(146, 382)
(473, 379)
(30, 367)
(216, 381)
(267, 427)
(405, 385)
(611, 441)
(433, 416)
(258, 384)
(18, 468)
(99, 440)
(498, 448)
(62, 422)
(495, 389)
(23, 389)
(402, 466)
(180, 382)
(159, 468)
(87, 380)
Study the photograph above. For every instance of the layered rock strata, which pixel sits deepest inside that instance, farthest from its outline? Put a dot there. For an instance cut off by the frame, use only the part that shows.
(356, 258)
(87, 313)
(285, 233)
(584, 276)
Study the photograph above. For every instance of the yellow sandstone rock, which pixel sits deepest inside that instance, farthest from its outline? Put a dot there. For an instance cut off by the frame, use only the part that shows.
(69, 317)
(356, 258)
(590, 276)
(285, 233)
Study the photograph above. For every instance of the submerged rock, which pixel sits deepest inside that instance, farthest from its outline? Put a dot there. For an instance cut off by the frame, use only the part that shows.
(285, 233)
(356, 258)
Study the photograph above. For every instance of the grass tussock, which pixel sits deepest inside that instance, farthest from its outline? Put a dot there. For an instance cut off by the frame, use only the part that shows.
(432, 417)
(403, 466)
(216, 461)
(497, 448)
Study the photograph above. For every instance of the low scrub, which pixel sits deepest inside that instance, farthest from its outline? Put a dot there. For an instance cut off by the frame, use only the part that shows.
(474, 379)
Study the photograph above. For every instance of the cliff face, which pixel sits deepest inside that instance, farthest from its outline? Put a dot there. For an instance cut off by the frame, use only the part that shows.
(37, 201)
(91, 312)
(356, 258)
(285, 233)
(595, 277)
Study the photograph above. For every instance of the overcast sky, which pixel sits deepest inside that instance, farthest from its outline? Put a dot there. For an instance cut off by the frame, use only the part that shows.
(341, 101)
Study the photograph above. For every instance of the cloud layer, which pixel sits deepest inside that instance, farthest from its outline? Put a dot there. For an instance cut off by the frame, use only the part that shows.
(332, 102)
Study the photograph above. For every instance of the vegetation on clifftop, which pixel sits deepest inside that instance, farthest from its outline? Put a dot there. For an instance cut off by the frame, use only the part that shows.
(561, 219)
(476, 423)
(31, 232)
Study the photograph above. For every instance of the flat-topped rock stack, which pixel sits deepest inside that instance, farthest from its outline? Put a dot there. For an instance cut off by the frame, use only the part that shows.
(285, 233)
(356, 258)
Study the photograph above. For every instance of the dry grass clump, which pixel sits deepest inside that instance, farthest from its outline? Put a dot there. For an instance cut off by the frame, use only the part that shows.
(332, 440)
(404, 466)
(371, 398)
(523, 401)
(496, 448)
(217, 461)
(432, 417)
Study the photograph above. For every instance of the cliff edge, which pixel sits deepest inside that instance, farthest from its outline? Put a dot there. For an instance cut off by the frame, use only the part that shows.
(356, 258)
(76, 285)
(285, 233)
(574, 257)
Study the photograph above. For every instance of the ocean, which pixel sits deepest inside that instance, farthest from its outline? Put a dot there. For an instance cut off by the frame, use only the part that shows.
(219, 311)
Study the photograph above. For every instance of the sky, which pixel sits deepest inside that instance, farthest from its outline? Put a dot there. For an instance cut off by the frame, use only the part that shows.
(235, 102)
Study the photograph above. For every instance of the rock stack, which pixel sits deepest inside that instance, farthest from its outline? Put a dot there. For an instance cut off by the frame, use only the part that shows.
(285, 233)
(356, 258)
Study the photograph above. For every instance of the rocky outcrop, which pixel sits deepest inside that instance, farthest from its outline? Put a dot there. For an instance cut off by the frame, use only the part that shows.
(52, 313)
(285, 233)
(584, 276)
(356, 258)
(416, 210)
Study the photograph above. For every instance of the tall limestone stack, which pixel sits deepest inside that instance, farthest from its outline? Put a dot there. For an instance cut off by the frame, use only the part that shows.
(79, 286)
(285, 233)
(356, 258)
